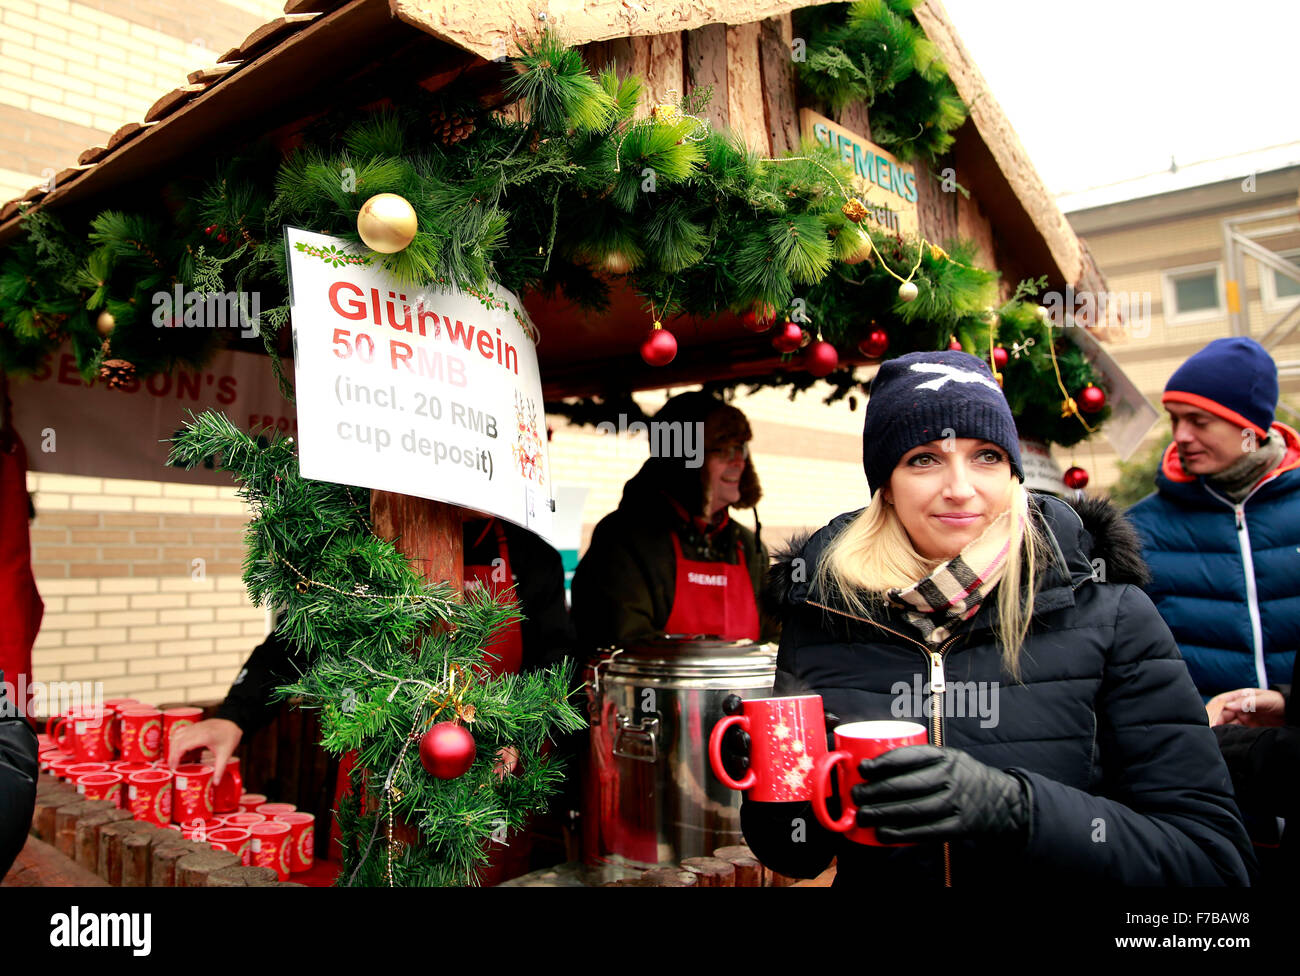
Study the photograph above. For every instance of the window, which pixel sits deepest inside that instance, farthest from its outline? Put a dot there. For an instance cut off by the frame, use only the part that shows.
(1278, 290)
(1193, 294)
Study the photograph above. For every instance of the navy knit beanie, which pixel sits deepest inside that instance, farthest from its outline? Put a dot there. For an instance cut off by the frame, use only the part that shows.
(917, 397)
(1235, 379)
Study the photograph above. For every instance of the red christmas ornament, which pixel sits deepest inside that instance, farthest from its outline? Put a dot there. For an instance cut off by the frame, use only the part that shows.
(821, 358)
(447, 750)
(875, 344)
(659, 347)
(999, 357)
(1076, 478)
(954, 345)
(222, 238)
(760, 318)
(787, 338)
(209, 229)
(1091, 398)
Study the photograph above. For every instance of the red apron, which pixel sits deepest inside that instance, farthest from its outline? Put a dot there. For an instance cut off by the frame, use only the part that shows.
(507, 645)
(21, 607)
(716, 599)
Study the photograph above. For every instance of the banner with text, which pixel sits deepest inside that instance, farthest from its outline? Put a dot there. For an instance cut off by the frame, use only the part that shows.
(423, 391)
(73, 427)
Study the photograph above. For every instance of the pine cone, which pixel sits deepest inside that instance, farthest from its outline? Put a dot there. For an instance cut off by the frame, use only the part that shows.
(116, 372)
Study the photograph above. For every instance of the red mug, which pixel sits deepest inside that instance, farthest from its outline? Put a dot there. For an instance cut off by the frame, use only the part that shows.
(854, 742)
(302, 840)
(242, 819)
(53, 754)
(77, 770)
(113, 708)
(149, 796)
(61, 731)
(87, 734)
(787, 736)
(59, 767)
(199, 829)
(226, 794)
(177, 718)
(270, 846)
(272, 811)
(237, 840)
(127, 767)
(101, 786)
(250, 801)
(140, 734)
(193, 793)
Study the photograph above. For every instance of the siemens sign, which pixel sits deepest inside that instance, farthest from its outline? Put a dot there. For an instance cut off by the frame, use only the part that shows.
(888, 186)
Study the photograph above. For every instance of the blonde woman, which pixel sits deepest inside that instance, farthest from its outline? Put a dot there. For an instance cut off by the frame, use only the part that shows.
(1067, 742)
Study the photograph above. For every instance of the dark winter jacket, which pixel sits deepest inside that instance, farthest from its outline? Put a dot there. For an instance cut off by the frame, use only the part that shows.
(546, 634)
(623, 589)
(1265, 768)
(18, 769)
(1126, 784)
(1226, 578)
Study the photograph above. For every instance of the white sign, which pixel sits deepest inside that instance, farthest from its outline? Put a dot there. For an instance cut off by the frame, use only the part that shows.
(1131, 414)
(421, 391)
(1042, 473)
(71, 427)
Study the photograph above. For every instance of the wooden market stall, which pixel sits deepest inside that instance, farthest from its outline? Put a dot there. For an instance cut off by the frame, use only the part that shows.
(294, 71)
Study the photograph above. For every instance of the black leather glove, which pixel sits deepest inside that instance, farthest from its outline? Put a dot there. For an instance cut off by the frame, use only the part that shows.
(832, 720)
(924, 793)
(735, 741)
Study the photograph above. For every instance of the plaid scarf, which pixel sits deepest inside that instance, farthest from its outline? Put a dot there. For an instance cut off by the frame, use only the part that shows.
(954, 590)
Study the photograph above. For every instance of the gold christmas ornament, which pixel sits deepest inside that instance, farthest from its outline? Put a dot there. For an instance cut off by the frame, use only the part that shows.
(855, 210)
(937, 253)
(387, 223)
(862, 247)
(908, 291)
(105, 323)
(664, 113)
(1068, 407)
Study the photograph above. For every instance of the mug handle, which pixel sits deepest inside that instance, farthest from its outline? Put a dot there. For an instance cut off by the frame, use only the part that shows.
(821, 786)
(60, 724)
(715, 753)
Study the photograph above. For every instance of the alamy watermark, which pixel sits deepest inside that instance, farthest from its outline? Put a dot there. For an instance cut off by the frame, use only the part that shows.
(668, 438)
(961, 699)
(180, 308)
(1129, 311)
(50, 698)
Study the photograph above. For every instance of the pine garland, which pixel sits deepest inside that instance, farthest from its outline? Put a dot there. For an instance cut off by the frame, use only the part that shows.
(386, 649)
(581, 192)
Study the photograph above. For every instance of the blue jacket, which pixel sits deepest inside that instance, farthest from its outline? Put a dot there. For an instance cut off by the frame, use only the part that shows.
(1226, 578)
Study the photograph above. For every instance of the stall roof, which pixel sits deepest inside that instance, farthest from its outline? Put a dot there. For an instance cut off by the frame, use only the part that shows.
(276, 76)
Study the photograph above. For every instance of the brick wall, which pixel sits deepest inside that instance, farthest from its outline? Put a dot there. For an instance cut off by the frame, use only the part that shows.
(126, 603)
(73, 72)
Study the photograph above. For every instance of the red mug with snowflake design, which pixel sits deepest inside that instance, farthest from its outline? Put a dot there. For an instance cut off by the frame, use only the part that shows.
(854, 742)
(787, 736)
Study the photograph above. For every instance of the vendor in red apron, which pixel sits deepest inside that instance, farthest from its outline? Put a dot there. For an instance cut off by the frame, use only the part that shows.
(671, 560)
(498, 555)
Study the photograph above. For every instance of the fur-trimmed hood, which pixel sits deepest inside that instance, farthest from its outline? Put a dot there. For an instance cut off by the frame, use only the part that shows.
(1092, 540)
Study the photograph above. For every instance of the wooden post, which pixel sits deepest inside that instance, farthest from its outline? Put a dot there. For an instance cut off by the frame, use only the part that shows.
(163, 858)
(749, 872)
(744, 88)
(193, 870)
(88, 828)
(780, 110)
(110, 848)
(65, 823)
(428, 532)
(241, 876)
(704, 57)
(671, 878)
(713, 872)
(136, 849)
(46, 808)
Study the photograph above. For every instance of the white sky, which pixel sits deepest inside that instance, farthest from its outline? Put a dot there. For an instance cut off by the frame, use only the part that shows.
(1107, 90)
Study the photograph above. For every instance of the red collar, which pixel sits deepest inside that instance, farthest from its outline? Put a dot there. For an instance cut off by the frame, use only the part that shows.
(707, 527)
(1173, 467)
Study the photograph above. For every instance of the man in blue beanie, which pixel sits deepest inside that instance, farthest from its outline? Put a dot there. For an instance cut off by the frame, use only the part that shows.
(1222, 530)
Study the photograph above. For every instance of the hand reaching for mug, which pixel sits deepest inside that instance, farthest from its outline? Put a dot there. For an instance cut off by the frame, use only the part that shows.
(925, 793)
(218, 734)
(1247, 706)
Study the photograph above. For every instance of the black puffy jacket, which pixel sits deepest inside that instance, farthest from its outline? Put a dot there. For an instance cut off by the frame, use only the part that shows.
(1126, 782)
(18, 768)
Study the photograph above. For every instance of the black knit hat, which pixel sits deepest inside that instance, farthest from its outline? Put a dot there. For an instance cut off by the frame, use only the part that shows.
(919, 397)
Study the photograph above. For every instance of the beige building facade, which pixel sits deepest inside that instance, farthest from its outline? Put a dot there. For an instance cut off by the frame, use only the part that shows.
(1161, 243)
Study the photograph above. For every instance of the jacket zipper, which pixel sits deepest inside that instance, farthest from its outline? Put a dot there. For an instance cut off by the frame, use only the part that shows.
(938, 685)
(1252, 593)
